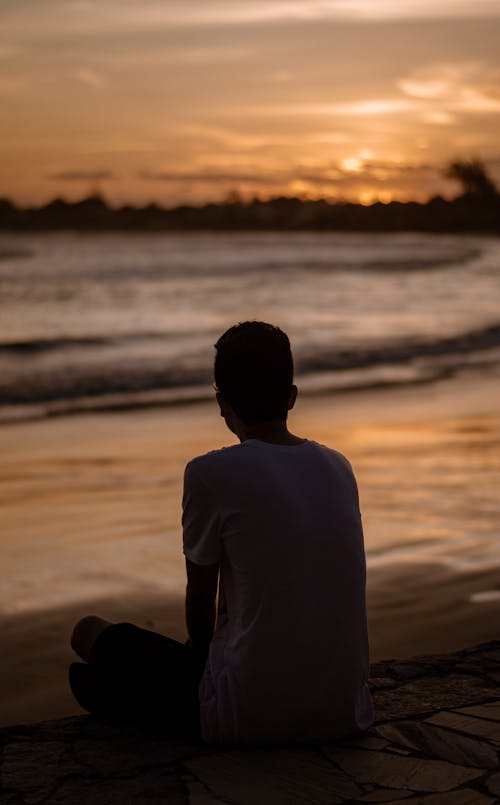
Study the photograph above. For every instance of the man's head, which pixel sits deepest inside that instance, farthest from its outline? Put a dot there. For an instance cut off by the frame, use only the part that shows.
(254, 371)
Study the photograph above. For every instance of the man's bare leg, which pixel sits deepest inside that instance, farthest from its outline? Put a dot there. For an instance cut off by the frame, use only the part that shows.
(85, 633)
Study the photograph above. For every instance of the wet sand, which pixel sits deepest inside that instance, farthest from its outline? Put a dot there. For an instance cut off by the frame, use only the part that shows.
(91, 507)
(413, 609)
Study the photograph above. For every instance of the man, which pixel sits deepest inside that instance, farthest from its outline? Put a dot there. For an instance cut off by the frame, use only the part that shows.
(273, 524)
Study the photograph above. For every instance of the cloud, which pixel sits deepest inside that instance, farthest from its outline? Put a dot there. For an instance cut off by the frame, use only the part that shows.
(203, 95)
(234, 12)
(10, 85)
(436, 93)
(362, 108)
(209, 54)
(7, 51)
(469, 87)
(326, 173)
(211, 177)
(90, 78)
(61, 17)
(226, 137)
(363, 177)
(82, 176)
(394, 9)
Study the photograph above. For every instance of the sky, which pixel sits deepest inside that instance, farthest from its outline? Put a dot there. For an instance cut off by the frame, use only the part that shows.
(178, 101)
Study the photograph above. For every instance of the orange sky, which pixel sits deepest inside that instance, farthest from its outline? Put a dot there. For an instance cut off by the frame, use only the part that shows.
(172, 101)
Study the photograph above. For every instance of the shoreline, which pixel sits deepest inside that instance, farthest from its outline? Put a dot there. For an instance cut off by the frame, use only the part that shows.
(91, 507)
(407, 616)
(313, 387)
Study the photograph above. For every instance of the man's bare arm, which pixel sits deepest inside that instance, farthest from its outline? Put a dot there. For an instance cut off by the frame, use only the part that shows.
(201, 593)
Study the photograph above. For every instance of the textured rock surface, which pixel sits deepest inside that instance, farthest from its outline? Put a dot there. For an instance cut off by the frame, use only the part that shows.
(436, 741)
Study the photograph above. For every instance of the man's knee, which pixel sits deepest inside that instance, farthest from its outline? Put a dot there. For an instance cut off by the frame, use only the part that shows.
(85, 632)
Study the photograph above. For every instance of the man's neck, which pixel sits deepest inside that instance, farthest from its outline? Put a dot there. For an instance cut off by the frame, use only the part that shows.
(274, 432)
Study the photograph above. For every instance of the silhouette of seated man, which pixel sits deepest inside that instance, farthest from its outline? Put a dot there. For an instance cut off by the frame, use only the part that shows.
(272, 524)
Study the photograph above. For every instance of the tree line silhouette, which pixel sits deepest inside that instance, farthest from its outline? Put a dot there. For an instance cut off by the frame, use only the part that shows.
(476, 209)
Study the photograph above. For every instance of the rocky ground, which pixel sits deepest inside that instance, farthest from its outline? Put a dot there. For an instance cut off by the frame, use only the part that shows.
(436, 741)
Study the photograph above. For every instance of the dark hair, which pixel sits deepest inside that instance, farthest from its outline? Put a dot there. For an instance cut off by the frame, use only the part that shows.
(254, 371)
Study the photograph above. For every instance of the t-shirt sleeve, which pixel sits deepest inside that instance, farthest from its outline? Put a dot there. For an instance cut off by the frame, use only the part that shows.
(200, 521)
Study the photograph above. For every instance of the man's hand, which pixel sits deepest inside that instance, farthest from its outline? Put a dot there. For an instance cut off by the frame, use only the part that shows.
(201, 592)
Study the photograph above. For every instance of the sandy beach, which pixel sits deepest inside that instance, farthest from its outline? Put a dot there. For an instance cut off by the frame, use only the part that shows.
(91, 510)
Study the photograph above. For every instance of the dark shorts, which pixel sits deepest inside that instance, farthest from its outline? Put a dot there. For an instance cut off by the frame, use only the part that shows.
(138, 674)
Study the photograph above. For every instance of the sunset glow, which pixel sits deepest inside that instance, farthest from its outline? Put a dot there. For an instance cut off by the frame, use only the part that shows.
(169, 102)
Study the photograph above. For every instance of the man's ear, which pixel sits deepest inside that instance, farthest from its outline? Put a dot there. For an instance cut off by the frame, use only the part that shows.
(223, 405)
(293, 396)
(228, 414)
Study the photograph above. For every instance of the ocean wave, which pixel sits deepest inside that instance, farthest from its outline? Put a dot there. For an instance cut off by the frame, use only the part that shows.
(473, 341)
(122, 381)
(51, 344)
(129, 400)
(261, 258)
(419, 263)
(69, 381)
(309, 360)
(15, 253)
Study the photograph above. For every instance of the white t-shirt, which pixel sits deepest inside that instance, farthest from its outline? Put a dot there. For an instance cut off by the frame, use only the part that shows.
(289, 658)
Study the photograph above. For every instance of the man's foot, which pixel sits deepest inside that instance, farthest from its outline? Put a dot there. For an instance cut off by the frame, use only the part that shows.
(83, 684)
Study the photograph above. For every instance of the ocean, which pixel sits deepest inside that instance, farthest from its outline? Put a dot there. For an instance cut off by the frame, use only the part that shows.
(98, 321)
(91, 504)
